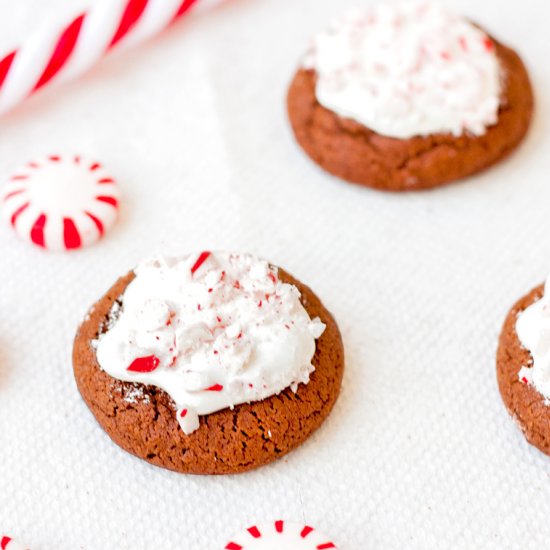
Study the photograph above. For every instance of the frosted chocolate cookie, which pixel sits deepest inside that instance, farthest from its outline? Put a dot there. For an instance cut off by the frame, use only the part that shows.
(408, 96)
(523, 365)
(212, 363)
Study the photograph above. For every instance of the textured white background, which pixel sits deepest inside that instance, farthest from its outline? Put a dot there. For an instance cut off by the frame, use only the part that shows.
(419, 452)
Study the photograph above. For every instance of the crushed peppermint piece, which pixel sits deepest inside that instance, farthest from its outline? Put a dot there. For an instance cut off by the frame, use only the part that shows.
(144, 364)
(203, 256)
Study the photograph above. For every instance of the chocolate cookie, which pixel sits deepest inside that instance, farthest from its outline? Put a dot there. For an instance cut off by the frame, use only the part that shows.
(355, 153)
(526, 405)
(141, 419)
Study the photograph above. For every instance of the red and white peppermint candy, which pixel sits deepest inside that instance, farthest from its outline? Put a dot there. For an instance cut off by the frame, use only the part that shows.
(278, 535)
(58, 54)
(7, 543)
(60, 203)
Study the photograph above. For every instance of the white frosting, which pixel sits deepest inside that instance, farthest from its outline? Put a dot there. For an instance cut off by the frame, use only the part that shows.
(533, 330)
(408, 69)
(213, 330)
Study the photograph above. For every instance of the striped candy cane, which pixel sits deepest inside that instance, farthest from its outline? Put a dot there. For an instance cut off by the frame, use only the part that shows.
(67, 53)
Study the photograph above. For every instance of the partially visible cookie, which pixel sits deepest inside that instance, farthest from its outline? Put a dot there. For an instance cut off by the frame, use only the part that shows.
(408, 97)
(525, 403)
(145, 420)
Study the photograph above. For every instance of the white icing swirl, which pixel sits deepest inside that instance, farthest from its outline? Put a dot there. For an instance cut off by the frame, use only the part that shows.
(533, 330)
(213, 330)
(408, 69)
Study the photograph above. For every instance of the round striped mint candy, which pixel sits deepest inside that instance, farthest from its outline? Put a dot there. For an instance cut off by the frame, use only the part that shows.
(60, 203)
(278, 535)
(7, 543)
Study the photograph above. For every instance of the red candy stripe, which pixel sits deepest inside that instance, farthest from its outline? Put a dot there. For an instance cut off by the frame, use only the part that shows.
(97, 222)
(186, 5)
(37, 231)
(255, 532)
(19, 211)
(62, 52)
(5, 65)
(132, 13)
(71, 236)
(71, 35)
(13, 194)
(109, 200)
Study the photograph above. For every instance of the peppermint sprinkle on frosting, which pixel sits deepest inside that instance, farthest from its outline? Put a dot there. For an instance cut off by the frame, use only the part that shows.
(408, 69)
(213, 330)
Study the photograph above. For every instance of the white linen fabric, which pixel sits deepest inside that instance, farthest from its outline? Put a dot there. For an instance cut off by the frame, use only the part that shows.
(419, 452)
